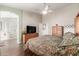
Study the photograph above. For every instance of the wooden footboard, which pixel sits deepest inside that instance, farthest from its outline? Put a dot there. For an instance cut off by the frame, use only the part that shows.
(28, 52)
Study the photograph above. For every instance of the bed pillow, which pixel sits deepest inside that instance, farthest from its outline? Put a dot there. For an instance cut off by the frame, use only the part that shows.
(68, 35)
(67, 39)
(75, 40)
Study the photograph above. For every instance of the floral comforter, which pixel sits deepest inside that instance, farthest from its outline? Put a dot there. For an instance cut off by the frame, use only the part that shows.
(44, 45)
(50, 45)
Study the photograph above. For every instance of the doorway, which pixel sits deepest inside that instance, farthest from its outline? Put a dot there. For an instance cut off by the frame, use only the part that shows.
(9, 26)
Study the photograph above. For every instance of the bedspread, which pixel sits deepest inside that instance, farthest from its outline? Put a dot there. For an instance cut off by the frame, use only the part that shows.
(54, 45)
(44, 45)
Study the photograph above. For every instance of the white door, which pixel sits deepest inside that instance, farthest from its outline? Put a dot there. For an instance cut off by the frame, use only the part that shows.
(43, 29)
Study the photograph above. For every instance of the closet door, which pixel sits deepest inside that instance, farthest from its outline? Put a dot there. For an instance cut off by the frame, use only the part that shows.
(43, 29)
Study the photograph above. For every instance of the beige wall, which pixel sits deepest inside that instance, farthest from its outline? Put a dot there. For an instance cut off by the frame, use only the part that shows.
(62, 16)
(32, 19)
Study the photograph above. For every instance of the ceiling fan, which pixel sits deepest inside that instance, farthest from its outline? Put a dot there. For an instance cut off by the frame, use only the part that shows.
(46, 9)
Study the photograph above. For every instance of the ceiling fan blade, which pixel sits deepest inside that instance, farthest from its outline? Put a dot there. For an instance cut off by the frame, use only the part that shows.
(46, 8)
(50, 11)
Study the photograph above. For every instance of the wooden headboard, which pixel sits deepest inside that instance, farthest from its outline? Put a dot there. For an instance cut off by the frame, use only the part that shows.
(57, 30)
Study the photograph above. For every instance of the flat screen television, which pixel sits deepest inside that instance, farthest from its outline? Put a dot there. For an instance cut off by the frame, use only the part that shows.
(31, 29)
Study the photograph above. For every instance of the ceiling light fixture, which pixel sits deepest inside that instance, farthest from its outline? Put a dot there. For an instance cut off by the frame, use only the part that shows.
(46, 9)
(44, 12)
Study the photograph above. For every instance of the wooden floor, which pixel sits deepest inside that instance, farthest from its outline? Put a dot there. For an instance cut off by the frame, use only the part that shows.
(11, 48)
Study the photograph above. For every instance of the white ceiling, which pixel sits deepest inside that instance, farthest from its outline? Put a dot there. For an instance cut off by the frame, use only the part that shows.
(34, 7)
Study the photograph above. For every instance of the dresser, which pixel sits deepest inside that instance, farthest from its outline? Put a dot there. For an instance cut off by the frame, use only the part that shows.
(57, 30)
(26, 37)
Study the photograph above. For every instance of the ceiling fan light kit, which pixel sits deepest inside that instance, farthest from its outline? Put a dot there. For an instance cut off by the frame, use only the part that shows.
(46, 9)
(44, 12)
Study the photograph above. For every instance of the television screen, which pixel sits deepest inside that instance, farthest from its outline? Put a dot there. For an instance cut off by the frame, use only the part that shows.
(31, 29)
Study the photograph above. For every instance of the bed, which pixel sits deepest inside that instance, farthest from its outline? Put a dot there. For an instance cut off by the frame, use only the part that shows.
(49, 45)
